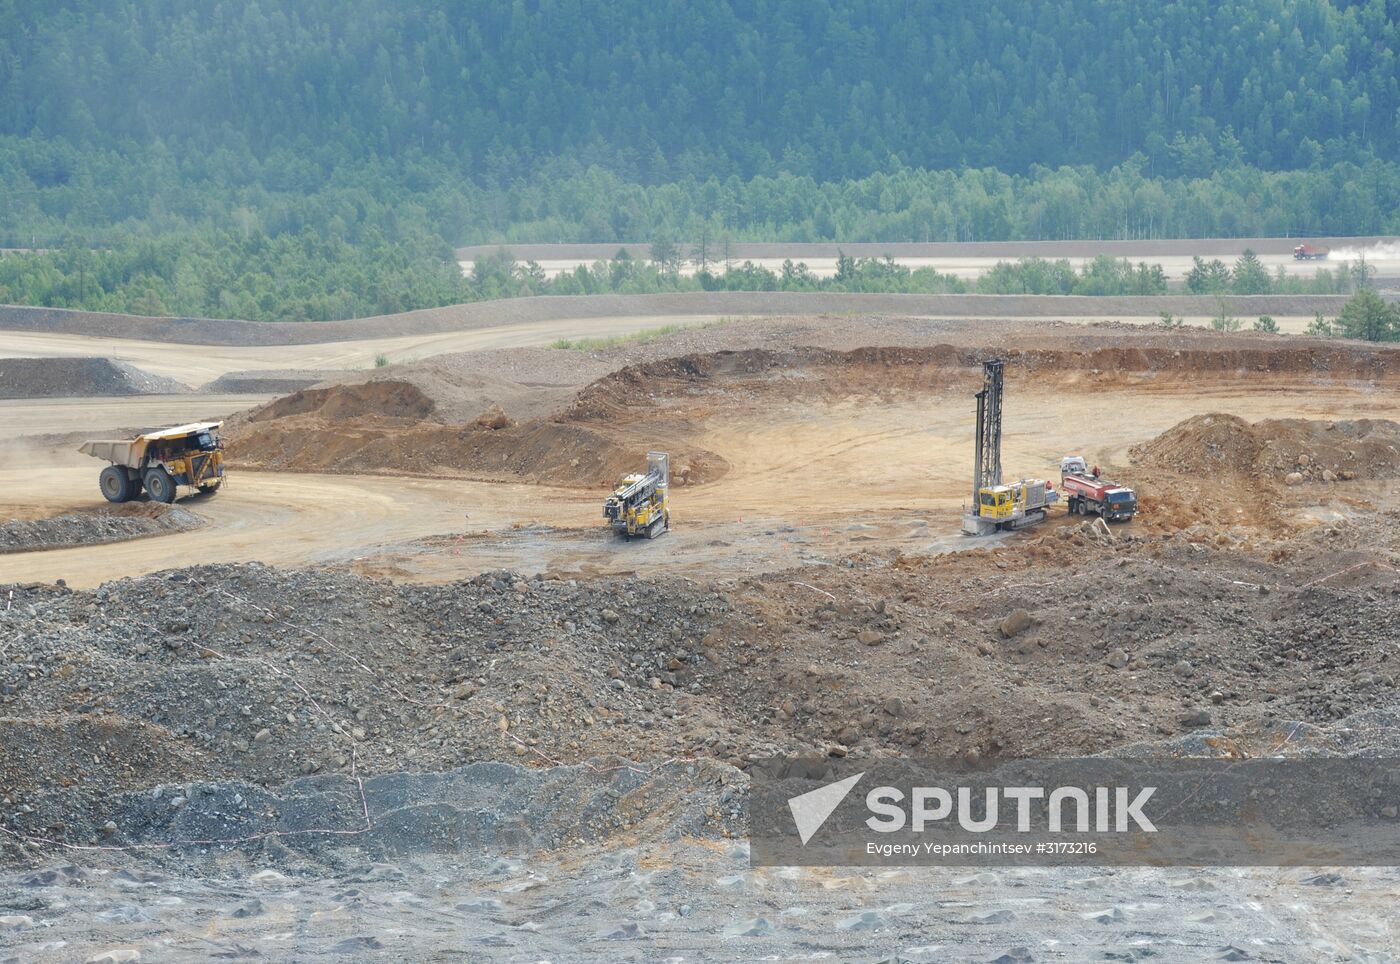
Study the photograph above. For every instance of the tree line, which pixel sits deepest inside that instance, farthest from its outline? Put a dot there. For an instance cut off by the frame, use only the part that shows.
(291, 277)
(52, 192)
(307, 277)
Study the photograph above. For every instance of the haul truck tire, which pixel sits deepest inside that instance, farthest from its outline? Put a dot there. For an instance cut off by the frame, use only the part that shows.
(116, 484)
(159, 485)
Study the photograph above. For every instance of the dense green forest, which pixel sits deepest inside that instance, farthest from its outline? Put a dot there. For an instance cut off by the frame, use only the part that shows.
(661, 90)
(303, 158)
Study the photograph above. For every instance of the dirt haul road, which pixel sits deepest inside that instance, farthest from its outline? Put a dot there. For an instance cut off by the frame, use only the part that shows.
(200, 364)
(94, 416)
(805, 482)
(1175, 267)
(972, 260)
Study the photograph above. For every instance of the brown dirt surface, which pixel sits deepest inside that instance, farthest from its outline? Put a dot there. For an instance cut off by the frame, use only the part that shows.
(445, 626)
(55, 377)
(783, 420)
(549, 427)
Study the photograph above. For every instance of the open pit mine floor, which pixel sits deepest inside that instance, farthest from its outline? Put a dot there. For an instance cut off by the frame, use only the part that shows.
(798, 460)
(395, 693)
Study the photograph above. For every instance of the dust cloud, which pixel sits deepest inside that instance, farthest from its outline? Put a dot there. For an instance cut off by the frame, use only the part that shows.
(1384, 251)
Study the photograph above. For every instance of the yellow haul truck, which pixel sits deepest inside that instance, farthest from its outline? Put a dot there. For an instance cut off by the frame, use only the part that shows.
(639, 505)
(160, 461)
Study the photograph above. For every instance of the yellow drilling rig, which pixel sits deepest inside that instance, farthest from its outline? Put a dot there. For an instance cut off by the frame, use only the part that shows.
(639, 505)
(996, 506)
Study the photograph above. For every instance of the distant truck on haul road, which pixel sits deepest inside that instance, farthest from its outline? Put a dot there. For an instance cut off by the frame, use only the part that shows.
(1306, 252)
(1087, 494)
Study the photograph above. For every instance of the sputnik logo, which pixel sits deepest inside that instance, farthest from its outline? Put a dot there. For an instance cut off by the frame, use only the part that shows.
(810, 809)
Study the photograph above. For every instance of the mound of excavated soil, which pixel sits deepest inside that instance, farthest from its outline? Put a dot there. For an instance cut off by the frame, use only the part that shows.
(524, 383)
(108, 523)
(1276, 449)
(388, 399)
(62, 377)
(551, 452)
(446, 421)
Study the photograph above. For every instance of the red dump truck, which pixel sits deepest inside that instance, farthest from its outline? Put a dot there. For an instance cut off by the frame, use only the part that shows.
(1087, 494)
(1306, 252)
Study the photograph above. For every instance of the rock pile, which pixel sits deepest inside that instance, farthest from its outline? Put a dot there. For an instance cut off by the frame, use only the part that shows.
(60, 377)
(1059, 646)
(115, 523)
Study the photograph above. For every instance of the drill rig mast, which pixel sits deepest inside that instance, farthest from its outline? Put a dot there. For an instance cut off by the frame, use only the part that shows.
(996, 506)
(988, 456)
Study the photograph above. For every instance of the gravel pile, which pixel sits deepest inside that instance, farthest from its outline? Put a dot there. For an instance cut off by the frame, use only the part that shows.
(260, 675)
(116, 523)
(65, 377)
(1070, 643)
(1290, 450)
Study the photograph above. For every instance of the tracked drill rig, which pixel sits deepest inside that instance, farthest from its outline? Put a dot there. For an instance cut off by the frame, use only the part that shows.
(996, 506)
(639, 505)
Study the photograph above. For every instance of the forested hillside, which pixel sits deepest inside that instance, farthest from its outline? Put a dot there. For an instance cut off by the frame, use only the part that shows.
(345, 128)
(657, 90)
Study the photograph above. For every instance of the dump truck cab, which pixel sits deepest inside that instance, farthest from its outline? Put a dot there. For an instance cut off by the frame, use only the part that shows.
(160, 461)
